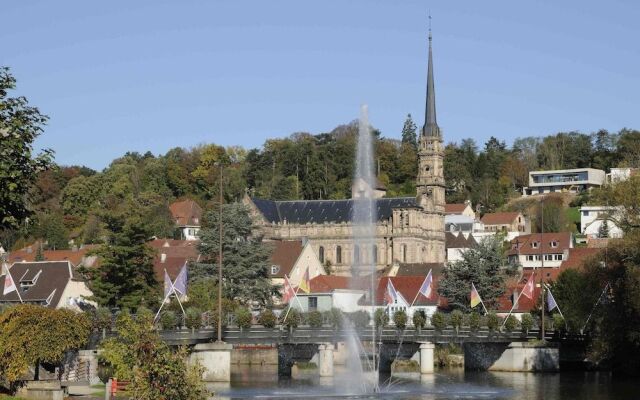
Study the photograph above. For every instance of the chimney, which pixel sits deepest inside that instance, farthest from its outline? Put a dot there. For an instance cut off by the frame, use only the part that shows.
(163, 257)
(29, 250)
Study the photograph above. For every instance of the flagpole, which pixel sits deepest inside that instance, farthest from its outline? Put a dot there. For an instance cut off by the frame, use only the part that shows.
(295, 295)
(512, 307)
(14, 283)
(594, 306)
(418, 294)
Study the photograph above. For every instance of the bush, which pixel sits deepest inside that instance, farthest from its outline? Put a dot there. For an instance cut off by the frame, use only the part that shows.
(314, 319)
(193, 318)
(293, 319)
(558, 323)
(267, 319)
(474, 321)
(511, 324)
(400, 319)
(438, 321)
(168, 319)
(419, 319)
(360, 318)
(243, 317)
(381, 318)
(335, 317)
(457, 317)
(526, 322)
(493, 321)
(102, 319)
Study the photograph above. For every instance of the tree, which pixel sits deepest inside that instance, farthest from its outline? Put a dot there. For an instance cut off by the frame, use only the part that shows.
(138, 355)
(485, 266)
(603, 231)
(626, 197)
(125, 277)
(52, 230)
(245, 256)
(31, 335)
(20, 126)
(575, 294)
(409, 135)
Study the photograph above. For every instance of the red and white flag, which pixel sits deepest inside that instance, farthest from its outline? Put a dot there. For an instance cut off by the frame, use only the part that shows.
(9, 284)
(390, 295)
(288, 292)
(528, 288)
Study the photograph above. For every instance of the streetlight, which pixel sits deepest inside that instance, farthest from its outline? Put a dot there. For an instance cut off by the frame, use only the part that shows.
(220, 260)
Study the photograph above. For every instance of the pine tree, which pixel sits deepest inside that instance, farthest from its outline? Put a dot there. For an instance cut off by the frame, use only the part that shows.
(603, 231)
(39, 253)
(245, 258)
(409, 132)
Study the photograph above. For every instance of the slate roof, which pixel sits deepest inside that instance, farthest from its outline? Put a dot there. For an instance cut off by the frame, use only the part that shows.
(321, 211)
(458, 241)
(52, 278)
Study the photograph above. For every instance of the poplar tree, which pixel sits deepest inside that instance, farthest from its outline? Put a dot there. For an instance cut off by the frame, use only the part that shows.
(409, 134)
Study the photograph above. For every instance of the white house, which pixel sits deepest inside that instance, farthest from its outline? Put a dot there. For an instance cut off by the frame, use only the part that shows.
(456, 244)
(460, 209)
(408, 299)
(616, 175)
(534, 250)
(187, 215)
(593, 217)
(293, 258)
(330, 291)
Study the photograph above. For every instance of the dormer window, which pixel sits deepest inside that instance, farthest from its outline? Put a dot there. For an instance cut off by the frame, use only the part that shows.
(534, 245)
(195, 221)
(275, 269)
(28, 280)
(553, 244)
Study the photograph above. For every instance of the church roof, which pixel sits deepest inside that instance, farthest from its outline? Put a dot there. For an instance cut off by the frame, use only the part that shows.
(321, 211)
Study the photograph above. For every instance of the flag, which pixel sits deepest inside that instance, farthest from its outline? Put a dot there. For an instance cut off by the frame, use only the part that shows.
(390, 295)
(180, 284)
(551, 302)
(475, 296)
(304, 282)
(168, 286)
(425, 289)
(528, 288)
(9, 284)
(288, 292)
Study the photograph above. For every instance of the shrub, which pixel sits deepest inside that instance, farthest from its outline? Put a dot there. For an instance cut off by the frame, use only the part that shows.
(267, 319)
(474, 321)
(381, 318)
(511, 323)
(400, 319)
(243, 317)
(493, 321)
(526, 322)
(335, 317)
(438, 321)
(558, 323)
(193, 318)
(102, 319)
(419, 319)
(292, 319)
(456, 319)
(314, 319)
(360, 318)
(168, 319)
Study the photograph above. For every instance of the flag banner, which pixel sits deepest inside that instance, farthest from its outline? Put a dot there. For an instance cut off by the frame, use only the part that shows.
(390, 295)
(180, 284)
(9, 284)
(475, 296)
(425, 289)
(528, 288)
(288, 291)
(551, 301)
(304, 282)
(168, 287)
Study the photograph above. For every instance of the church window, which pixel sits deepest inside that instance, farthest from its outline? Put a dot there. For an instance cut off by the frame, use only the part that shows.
(375, 254)
(427, 168)
(404, 253)
(321, 254)
(356, 254)
(338, 255)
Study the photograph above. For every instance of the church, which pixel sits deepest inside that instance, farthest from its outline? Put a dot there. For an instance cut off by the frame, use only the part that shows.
(410, 230)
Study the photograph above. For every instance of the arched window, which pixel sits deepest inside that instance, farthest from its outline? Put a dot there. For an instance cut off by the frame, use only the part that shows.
(404, 253)
(356, 254)
(375, 254)
(321, 254)
(338, 255)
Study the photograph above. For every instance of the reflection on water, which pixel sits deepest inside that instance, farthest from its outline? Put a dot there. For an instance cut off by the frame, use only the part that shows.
(262, 383)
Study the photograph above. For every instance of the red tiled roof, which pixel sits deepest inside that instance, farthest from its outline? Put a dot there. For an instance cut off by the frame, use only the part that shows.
(499, 218)
(186, 212)
(28, 254)
(578, 256)
(454, 208)
(523, 243)
(329, 283)
(525, 304)
(285, 254)
(408, 287)
(177, 253)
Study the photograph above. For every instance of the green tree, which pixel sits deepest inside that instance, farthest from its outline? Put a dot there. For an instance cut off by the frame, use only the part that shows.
(31, 335)
(51, 229)
(138, 355)
(245, 256)
(603, 231)
(125, 277)
(20, 126)
(575, 294)
(409, 135)
(485, 266)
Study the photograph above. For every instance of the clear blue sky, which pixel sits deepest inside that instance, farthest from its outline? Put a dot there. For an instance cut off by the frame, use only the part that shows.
(151, 75)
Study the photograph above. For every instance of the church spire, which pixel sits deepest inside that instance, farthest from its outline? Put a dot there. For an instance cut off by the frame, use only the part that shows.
(430, 124)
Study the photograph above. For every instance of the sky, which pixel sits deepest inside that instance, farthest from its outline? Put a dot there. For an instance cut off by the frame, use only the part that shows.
(150, 75)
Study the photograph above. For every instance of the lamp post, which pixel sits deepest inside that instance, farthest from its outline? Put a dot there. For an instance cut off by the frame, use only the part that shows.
(220, 261)
(542, 269)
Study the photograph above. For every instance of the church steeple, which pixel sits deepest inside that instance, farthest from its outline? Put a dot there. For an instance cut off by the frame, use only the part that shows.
(430, 127)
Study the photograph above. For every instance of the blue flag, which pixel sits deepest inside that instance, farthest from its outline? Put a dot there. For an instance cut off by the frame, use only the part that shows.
(180, 284)
(551, 302)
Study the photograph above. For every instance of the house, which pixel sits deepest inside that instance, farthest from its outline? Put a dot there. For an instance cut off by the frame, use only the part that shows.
(616, 175)
(408, 299)
(293, 258)
(457, 244)
(511, 224)
(360, 187)
(460, 209)
(54, 284)
(461, 223)
(592, 218)
(187, 215)
(329, 291)
(171, 255)
(541, 249)
(78, 256)
(564, 180)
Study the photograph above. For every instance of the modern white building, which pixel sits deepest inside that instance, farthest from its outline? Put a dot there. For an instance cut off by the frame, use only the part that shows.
(616, 175)
(593, 217)
(563, 180)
